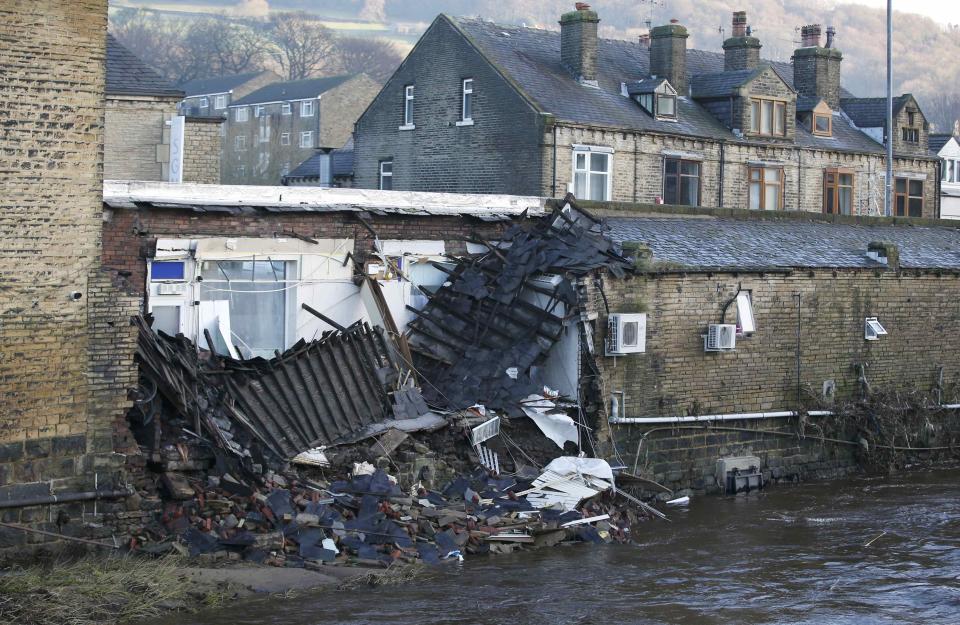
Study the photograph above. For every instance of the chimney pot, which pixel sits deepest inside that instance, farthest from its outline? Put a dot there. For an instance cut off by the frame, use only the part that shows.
(739, 24)
(810, 35)
(674, 21)
(582, 6)
(831, 33)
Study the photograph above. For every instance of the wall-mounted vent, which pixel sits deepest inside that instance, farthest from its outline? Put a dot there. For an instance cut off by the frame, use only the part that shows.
(720, 337)
(872, 330)
(626, 334)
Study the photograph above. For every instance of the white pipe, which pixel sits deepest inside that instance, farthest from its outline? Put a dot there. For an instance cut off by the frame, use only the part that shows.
(735, 416)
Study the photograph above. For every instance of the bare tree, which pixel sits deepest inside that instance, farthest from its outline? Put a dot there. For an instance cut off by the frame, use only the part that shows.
(300, 45)
(228, 46)
(375, 57)
(159, 42)
(942, 109)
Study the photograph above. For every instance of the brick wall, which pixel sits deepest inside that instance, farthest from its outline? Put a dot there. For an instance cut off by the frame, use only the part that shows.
(129, 236)
(499, 153)
(137, 138)
(202, 143)
(675, 377)
(62, 382)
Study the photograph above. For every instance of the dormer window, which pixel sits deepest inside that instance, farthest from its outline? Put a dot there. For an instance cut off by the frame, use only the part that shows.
(666, 106)
(655, 96)
(822, 124)
(768, 117)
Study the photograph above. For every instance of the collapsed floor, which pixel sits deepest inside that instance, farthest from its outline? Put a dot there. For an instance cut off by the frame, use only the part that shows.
(329, 453)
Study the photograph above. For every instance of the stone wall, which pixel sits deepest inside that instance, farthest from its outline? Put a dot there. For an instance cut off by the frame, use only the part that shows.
(137, 137)
(676, 377)
(499, 153)
(202, 146)
(638, 169)
(63, 383)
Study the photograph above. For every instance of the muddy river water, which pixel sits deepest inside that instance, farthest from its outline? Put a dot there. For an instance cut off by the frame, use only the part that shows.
(880, 550)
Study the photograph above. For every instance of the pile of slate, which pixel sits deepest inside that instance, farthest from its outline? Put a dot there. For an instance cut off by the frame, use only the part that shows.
(367, 518)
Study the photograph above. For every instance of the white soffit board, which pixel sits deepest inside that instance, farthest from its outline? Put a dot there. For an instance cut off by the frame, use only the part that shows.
(420, 247)
(128, 193)
(226, 247)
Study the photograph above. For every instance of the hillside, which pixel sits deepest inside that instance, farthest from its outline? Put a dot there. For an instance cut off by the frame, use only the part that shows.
(924, 51)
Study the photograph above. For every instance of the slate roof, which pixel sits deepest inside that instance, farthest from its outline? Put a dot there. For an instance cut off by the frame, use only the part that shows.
(871, 112)
(722, 84)
(341, 163)
(647, 85)
(845, 138)
(937, 141)
(216, 84)
(530, 58)
(308, 169)
(128, 75)
(806, 103)
(745, 244)
(292, 90)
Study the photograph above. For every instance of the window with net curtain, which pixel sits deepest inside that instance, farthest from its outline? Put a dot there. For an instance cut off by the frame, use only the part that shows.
(591, 175)
(261, 296)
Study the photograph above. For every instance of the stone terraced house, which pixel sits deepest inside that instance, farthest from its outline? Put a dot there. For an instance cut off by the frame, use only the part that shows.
(276, 128)
(482, 107)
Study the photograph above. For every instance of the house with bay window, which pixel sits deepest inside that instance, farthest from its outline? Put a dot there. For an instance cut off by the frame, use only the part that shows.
(947, 149)
(479, 107)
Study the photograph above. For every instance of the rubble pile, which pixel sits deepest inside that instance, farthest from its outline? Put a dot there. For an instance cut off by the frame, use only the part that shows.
(328, 453)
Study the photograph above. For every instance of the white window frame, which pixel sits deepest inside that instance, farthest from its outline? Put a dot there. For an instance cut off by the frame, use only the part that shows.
(408, 99)
(284, 138)
(465, 91)
(383, 174)
(306, 108)
(306, 139)
(241, 114)
(240, 143)
(286, 109)
(258, 110)
(263, 134)
(220, 102)
(589, 151)
(204, 102)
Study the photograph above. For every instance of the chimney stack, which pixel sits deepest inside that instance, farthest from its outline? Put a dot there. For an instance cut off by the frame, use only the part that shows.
(816, 70)
(741, 51)
(668, 54)
(578, 42)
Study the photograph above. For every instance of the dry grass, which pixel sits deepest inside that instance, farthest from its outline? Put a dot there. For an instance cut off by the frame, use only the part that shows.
(391, 576)
(91, 591)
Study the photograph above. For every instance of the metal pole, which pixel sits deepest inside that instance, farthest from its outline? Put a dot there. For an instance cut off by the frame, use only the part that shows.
(888, 187)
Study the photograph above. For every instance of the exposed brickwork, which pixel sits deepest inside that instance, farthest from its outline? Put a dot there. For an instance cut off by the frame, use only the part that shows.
(202, 145)
(129, 236)
(137, 137)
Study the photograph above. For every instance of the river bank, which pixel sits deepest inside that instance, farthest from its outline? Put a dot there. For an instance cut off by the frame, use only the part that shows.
(793, 554)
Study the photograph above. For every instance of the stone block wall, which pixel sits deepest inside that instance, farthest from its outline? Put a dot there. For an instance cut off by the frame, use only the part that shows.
(137, 137)
(638, 169)
(676, 377)
(202, 147)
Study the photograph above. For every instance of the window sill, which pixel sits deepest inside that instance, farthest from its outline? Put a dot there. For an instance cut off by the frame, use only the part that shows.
(465, 122)
(407, 127)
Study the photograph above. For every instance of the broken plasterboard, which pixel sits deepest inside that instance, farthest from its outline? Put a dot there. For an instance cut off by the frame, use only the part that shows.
(556, 426)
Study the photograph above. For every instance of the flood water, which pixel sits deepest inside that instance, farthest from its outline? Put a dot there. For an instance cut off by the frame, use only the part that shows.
(788, 555)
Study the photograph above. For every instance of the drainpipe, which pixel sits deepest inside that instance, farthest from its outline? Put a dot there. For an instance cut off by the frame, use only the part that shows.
(65, 497)
(799, 178)
(938, 169)
(553, 187)
(723, 145)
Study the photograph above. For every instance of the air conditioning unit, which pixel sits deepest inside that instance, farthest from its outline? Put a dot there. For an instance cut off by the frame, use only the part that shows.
(720, 337)
(626, 334)
(171, 288)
